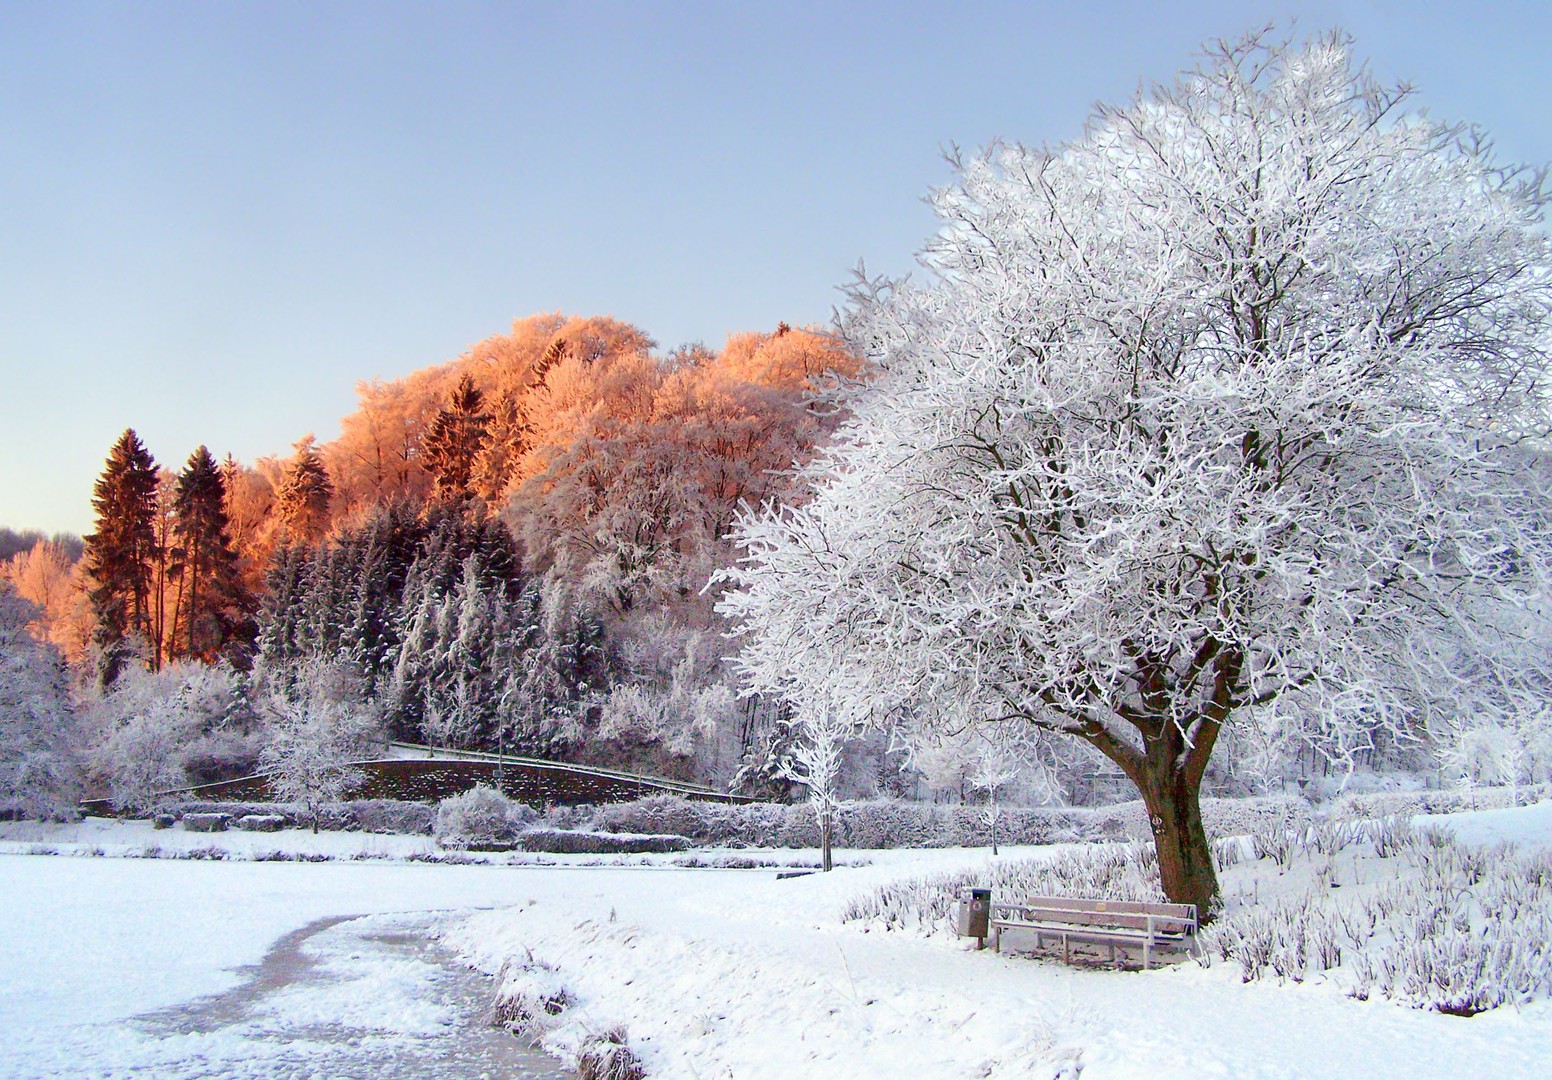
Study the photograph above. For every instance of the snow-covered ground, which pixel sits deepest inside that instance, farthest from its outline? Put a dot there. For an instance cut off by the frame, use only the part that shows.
(750, 976)
(137, 966)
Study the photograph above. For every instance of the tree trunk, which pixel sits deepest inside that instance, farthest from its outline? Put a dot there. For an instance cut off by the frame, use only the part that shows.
(1174, 809)
(826, 834)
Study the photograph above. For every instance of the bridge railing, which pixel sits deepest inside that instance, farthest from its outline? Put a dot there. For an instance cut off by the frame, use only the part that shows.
(434, 753)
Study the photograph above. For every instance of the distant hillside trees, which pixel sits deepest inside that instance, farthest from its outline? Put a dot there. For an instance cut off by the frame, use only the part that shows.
(163, 582)
(14, 542)
(509, 551)
(433, 611)
(50, 576)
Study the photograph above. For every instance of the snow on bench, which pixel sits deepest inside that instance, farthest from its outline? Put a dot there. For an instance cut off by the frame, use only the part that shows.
(1105, 922)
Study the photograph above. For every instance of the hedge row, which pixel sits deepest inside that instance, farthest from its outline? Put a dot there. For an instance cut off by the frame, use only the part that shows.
(574, 842)
(884, 824)
(359, 815)
(900, 824)
(1386, 803)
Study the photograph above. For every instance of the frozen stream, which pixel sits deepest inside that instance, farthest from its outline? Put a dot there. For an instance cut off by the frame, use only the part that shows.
(366, 997)
(117, 967)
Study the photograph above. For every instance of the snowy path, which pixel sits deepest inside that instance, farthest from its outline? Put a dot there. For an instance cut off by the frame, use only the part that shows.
(114, 967)
(369, 997)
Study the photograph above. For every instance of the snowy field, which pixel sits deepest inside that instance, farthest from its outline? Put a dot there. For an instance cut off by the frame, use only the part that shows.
(115, 966)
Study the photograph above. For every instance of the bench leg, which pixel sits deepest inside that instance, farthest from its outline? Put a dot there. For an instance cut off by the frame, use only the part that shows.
(1147, 952)
(997, 939)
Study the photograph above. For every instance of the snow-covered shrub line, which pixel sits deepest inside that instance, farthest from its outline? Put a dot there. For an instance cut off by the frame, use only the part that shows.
(357, 815)
(1385, 803)
(890, 824)
(572, 842)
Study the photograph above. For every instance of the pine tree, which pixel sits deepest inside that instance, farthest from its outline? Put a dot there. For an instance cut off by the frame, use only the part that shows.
(212, 615)
(285, 584)
(453, 442)
(121, 554)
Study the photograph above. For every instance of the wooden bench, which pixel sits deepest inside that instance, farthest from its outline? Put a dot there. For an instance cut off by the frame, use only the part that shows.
(1105, 922)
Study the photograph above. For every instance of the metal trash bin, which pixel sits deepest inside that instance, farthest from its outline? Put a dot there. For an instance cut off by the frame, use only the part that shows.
(975, 912)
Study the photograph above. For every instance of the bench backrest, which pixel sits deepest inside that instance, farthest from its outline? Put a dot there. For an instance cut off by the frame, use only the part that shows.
(1085, 912)
(1127, 907)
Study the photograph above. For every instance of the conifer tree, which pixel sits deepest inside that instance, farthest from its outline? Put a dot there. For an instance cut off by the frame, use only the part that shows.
(211, 617)
(302, 503)
(121, 554)
(453, 442)
(285, 583)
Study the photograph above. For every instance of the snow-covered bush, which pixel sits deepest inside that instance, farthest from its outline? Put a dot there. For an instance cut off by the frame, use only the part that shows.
(261, 822)
(392, 816)
(154, 732)
(478, 817)
(38, 773)
(1452, 928)
(1391, 835)
(318, 723)
(529, 998)
(207, 822)
(608, 1056)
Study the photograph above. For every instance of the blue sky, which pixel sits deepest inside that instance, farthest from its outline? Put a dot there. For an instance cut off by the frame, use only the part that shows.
(216, 218)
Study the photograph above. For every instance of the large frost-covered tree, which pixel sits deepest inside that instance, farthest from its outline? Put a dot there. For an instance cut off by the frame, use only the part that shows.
(1235, 405)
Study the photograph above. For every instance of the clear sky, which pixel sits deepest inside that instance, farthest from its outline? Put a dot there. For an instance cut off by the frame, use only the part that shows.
(216, 218)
